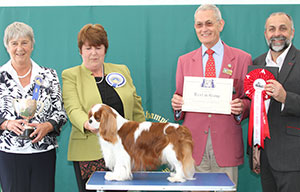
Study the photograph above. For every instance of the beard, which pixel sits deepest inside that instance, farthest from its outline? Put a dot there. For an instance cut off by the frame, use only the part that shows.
(278, 47)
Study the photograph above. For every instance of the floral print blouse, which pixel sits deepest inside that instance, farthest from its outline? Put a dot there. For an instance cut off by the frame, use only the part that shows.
(49, 100)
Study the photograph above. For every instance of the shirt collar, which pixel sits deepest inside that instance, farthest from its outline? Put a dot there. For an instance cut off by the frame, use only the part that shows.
(36, 69)
(279, 60)
(217, 48)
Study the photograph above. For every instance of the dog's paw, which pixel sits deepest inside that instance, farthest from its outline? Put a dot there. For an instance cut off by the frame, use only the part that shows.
(113, 176)
(109, 176)
(172, 174)
(191, 178)
(177, 179)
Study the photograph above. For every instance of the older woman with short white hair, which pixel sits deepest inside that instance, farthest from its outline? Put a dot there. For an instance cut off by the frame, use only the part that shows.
(27, 145)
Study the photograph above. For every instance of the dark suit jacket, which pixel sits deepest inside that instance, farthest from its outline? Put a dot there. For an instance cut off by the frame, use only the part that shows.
(283, 149)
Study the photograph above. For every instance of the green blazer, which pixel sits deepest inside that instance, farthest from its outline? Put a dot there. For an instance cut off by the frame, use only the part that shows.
(80, 93)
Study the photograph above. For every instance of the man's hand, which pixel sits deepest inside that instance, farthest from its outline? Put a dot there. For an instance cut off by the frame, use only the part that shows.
(177, 102)
(237, 106)
(275, 90)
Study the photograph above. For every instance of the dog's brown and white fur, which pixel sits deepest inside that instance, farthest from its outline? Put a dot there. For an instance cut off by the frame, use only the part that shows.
(130, 145)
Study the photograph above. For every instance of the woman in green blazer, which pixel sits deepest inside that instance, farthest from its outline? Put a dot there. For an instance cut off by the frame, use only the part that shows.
(90, 83)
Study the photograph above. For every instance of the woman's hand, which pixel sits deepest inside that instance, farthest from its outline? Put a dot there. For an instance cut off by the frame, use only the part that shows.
(91, 129)
(15, 126)
(41, 130)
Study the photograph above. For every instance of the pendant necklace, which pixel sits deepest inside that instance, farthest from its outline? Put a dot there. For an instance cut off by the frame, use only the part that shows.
(98, 82)
(23, 76)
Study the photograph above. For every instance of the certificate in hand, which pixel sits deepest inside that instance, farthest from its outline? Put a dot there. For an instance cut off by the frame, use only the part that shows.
(207, 95)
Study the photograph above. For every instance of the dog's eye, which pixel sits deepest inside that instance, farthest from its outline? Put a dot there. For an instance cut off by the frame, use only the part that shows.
(97, 116)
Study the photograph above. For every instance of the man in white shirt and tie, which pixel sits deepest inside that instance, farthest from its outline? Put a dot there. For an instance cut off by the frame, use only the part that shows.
(218, 142)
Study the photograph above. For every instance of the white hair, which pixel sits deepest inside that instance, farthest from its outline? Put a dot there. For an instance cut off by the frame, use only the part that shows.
(212, 7)
(17, 30)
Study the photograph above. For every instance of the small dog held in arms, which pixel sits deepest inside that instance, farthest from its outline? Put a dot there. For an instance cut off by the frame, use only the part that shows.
(128, 145)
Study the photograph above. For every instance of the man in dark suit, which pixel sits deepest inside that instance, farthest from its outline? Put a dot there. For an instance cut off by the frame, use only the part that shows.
(280, 159)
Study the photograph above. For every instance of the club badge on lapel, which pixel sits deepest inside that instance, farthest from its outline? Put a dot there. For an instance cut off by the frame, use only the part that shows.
(228, 70)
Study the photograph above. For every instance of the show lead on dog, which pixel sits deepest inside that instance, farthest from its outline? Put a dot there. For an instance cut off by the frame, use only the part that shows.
(280, 158)
(90, 83)
(28, 165)
(218, 142)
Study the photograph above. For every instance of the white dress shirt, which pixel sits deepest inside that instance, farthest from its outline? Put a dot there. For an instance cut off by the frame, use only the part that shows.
(278, 64)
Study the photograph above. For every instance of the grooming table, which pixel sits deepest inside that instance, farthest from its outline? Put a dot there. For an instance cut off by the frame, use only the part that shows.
(157, 181)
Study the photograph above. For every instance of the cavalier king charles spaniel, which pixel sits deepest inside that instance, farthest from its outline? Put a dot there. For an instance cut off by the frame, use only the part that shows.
(128, 145)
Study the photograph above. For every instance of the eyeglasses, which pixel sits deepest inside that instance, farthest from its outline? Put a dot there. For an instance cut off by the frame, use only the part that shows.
(199, 25)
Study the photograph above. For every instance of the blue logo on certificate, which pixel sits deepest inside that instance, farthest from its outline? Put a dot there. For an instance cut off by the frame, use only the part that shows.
(115, 79)
(208, 83)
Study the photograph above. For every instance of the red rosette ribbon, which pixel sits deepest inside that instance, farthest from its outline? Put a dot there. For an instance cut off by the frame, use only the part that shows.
(258, 122)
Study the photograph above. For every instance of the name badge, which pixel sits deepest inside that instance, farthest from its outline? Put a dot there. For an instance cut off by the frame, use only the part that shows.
(227, 71)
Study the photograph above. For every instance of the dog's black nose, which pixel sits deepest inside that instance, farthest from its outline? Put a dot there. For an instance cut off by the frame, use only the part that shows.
(90, 121)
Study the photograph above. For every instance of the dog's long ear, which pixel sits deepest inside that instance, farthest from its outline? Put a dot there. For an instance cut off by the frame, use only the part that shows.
(108, 124)
(90, 113)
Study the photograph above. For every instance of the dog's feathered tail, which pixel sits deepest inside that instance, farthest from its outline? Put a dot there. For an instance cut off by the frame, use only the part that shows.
(181, 138)
(188, 162)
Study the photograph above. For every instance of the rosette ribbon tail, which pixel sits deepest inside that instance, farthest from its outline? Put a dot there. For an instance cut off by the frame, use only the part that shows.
(258, 123)
(254, 83)
(250, 127)
(265, 132)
